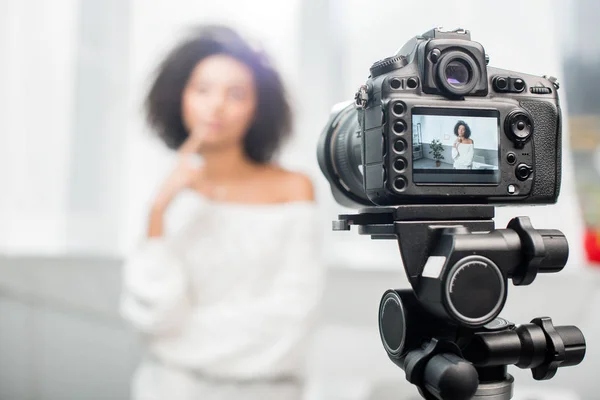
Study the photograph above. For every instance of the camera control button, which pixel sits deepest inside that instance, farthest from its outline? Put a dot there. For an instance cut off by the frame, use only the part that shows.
(523, 172)
(400, 184)
(518, 127)
(519, 85)
(511, 158)
(500, 83)
(434, 56)
(512, 189)
(540, 90)
(387, 65)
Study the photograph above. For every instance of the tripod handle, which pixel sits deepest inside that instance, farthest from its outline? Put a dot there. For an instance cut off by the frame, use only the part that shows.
(449, 377)
(557, 250)
(439, 372)
(544, 250)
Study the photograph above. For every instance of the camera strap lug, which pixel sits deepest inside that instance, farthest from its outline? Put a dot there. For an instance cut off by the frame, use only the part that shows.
(361, 97)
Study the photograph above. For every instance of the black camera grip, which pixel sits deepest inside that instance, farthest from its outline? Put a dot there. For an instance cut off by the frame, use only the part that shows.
(547, 138)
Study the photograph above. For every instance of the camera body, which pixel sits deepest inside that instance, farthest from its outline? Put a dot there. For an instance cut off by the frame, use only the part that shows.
(435, 124)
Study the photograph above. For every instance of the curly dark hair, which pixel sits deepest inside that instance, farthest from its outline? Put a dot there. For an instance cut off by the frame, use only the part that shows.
(273, 115)
(467, 129)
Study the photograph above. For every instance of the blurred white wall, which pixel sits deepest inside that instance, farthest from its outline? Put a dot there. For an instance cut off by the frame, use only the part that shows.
(62, 78)
(37, 60)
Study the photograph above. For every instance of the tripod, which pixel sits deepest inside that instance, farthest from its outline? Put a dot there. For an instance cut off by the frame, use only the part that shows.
(445, 333)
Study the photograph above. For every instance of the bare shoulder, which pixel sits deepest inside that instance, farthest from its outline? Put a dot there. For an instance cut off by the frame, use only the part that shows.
(300, 187)
(470, 141)
(294, 186)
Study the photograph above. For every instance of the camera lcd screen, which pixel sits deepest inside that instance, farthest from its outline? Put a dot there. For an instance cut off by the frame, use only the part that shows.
(455, 146)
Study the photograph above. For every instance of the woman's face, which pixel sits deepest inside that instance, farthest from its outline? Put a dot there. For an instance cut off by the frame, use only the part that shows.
(219, 102)
(461, 131)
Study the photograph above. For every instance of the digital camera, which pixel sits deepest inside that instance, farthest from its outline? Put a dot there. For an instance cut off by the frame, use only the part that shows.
(435, 124)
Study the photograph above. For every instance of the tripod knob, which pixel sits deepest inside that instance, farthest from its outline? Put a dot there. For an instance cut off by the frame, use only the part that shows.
(539, 345)
(470, 290)
(544, 250)
(565, 347)
(475, 290)
(403, 323)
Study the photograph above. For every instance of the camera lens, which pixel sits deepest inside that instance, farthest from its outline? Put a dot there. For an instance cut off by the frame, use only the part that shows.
(339, 155)
(457, 73)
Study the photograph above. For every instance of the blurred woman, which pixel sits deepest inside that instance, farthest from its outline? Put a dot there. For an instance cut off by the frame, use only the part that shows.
(463, 149)
(226, 300)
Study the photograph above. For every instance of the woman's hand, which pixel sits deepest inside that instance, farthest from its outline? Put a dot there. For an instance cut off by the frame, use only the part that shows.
(182, 177)
(458, 140)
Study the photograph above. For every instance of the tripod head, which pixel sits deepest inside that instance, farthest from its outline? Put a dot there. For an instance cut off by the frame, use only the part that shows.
(445, 333)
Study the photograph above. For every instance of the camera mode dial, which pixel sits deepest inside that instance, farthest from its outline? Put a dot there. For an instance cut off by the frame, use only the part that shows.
(387, 65)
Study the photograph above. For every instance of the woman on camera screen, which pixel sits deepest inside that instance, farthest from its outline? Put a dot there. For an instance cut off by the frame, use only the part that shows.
(226, 299)
(463, 149)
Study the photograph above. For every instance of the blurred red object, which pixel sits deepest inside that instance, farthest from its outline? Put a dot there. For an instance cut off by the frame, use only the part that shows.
(592, 245)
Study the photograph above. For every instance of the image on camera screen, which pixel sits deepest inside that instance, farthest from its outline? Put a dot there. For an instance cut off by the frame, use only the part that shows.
(455, 146)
